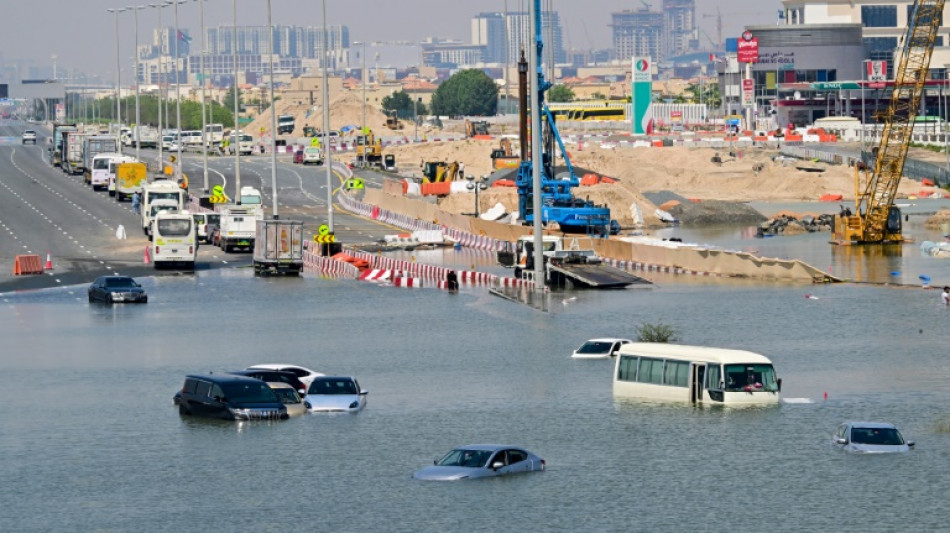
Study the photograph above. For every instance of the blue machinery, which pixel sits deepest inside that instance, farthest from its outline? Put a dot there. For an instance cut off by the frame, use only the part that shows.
(558, 203)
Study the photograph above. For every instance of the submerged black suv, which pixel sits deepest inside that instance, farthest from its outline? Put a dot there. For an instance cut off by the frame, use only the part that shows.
(229, 397)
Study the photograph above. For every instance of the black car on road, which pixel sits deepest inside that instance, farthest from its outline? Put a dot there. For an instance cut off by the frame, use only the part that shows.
(117, 289)
(229, 397)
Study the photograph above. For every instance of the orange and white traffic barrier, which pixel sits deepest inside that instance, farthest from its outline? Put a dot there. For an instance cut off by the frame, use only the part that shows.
(49, 261)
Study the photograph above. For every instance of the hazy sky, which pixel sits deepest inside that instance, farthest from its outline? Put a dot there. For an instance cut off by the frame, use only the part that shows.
(82, 34)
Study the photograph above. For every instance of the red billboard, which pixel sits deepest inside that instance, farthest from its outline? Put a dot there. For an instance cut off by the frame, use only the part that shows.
(748, 51)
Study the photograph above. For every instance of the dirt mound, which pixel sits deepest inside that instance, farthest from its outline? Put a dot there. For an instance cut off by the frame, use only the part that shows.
(347, 110)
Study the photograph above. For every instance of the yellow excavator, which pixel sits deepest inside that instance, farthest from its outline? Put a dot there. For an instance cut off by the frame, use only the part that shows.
(369, 149)
(876, 220)
(504, 156)
(439, 171)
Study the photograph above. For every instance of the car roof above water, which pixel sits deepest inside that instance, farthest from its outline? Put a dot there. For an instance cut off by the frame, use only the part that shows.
(222, 378)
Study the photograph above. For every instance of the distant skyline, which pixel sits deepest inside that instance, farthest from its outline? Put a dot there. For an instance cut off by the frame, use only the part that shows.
(82, 34)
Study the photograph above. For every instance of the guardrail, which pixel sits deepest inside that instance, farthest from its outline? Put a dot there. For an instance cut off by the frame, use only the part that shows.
(913, 168)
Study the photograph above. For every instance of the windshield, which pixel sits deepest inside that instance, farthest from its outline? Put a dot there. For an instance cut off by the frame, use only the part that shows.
(100, 164)
(286, 396)
(249, 392)
(882, 436)
(121, 283)
(333, 386)
(156, 209)
(174, 227)
(595, 347)
(252, 199)
(750, 378)
(153, 195)
(469, 458)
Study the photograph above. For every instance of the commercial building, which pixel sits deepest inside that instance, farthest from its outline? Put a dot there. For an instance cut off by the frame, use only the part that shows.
(659, 35)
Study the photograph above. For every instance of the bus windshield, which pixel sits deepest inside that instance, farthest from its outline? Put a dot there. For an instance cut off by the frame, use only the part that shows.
(750, 378)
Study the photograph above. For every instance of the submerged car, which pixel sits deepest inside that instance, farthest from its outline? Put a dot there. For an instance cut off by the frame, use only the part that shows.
(599, 348)
(335, 394)
(289, 397)
(273, 375)
(870, 437)
(481, 460)
(304, 374)
(116, 289)
(228, 397)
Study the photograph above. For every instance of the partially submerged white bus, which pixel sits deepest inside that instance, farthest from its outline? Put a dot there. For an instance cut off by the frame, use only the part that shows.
(694, 374)
(174, 240)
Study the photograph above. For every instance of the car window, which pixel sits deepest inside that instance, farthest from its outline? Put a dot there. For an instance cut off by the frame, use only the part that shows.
(467, 458)
(594, 347)
(249, 392)
(287, 396)
(299, 372)
(333, 386)
(202, 389)
(189, 386)
(516, 456)
(879, 436)
(498, 457)
(216, 391)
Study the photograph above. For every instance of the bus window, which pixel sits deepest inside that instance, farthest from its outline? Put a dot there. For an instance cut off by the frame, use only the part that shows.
(750, 377)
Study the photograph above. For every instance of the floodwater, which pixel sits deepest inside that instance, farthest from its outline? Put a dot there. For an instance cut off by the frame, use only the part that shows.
(90, 439)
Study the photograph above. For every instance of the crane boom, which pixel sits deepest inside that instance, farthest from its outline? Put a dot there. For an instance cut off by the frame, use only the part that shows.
(878, 223)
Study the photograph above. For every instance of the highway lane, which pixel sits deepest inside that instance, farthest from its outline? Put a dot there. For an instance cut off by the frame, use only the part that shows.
(43, 209)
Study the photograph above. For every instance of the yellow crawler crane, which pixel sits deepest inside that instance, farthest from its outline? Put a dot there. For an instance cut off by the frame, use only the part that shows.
(880, 221)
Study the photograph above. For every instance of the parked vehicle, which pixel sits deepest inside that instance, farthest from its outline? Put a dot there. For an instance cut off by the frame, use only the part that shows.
(214, 134)
(289, 397)
(161, 189)
(298, 157)
(238, 228)
(116, 289)
(479, 461)
(273, 375)
(29, 136)
(243, 143)
(229, 397)
(174, 240)
(127, 178)
(599, 348)
(100, 167)
(278, 247)
(167, 141)
(695, 374)
(204, 223)
(335, 394)
(146, 136)
(190, 139)
(94, 145)
(870, 437)
(285, 124)
(305, 375)
(72, 162)
(55, 148)
(312, 155)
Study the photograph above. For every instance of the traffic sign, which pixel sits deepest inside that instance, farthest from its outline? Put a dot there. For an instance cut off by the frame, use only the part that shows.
(323, 229)
(353, 183)
(323, 239)
(315, 142)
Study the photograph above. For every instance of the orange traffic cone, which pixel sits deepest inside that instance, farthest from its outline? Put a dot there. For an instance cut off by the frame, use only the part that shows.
(49, 261)
(146, 259)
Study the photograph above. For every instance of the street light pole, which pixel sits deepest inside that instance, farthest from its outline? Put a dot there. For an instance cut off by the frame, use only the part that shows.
(161, 129)
(138, 120)
(177, 95)
(236, 146)
(362, 158)
(326, 119)
(273, 117)
(480, 185)
(205, 143)
(118, 89)
(415, 118)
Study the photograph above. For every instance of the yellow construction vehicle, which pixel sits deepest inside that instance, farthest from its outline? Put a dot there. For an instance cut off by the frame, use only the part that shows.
(369, 150)
(439, 171)
(504, 156)
(392, 122)
(476, 127)
(876, 220)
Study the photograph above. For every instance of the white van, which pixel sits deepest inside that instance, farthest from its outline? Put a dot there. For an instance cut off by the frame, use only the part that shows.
(205, 224)
(99, 175)
(114, 161)
(160, 190)
(245, 144)
(190, 139)
(174, 240)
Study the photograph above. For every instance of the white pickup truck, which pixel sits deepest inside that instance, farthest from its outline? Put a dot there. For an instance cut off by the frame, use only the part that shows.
(238, 228)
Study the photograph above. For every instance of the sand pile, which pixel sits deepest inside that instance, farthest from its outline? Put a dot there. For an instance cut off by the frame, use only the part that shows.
(938, 219)
(347, 110)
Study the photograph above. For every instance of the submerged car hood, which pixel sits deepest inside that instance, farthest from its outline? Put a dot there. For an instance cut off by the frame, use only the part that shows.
(879, 448)
(331, 402)
(446, 473)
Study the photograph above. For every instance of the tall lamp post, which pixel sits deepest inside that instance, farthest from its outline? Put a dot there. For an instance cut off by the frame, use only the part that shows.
(328, 162)
(161, 129)
(138, 117)
(362, 159)
(205, 143)
(476, 185)
(236, 146)
(118, 108)
(177, 94)
(864, 70)
(273, 116)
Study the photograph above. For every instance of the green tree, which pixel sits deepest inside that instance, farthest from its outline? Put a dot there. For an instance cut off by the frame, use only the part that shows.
(658, 332)
(402, 104)
(228, 100)
(560, 93)
(707, 93)
(468, 92)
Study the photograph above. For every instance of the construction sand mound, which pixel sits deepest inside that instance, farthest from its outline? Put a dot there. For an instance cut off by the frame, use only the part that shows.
(347, 110)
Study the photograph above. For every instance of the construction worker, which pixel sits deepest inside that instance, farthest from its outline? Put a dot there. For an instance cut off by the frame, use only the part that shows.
(461, 175)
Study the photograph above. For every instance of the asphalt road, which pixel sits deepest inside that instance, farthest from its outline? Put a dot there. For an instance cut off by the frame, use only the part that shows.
(43, 210)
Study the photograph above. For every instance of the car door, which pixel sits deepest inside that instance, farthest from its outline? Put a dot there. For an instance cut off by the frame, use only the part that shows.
(517, 461)
(95, 290)
(200, 403)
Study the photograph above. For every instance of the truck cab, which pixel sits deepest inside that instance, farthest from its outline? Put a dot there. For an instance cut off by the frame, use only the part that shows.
(160, 190)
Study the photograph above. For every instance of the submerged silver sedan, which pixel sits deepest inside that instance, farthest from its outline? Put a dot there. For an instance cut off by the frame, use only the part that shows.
(481, 460)
(870, 437)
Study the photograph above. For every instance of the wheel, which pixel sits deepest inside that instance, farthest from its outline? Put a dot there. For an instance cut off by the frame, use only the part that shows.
(145, 300)
(109, 299)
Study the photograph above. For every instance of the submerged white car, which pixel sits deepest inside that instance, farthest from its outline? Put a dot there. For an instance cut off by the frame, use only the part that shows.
(481, 460)
(335, 394)
(599, 348)
(305, 375)
(870, 437)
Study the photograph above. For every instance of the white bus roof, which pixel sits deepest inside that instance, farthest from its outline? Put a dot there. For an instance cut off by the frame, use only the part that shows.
(692, 353)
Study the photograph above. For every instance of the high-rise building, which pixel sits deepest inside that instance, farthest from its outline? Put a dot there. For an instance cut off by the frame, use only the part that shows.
(495, 32)
(288, 41)
(488, 30)
(680, 27)
(638, 33)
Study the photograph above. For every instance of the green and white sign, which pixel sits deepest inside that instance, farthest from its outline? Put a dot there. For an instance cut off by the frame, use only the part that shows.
(642, 97)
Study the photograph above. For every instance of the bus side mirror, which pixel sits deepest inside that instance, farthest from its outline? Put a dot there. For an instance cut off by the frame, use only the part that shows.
(779, 382)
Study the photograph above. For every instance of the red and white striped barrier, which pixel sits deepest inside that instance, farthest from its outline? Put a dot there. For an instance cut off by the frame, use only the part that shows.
(376, 275)
(407, 282)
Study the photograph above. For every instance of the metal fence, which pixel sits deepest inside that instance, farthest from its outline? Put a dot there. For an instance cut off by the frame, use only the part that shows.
(913, 169)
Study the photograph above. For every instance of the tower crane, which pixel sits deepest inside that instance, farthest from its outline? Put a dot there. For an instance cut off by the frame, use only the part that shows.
(876, 220)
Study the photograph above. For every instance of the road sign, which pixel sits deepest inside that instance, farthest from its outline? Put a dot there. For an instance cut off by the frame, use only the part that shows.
(217, 195)
(353, 183)
(748, 92)
(323, 239)
(262, 130)
(315, 142)
(748, 48)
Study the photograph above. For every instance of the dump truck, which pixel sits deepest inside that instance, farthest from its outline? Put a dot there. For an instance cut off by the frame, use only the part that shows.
(278, 247)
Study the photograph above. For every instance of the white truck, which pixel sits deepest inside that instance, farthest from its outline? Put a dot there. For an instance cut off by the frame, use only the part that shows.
(146, 136)
(160, 190)
(251, 199)
(238, 228)
(243, 143)
(102, 175)
(278, 247)
(94, 145)
(174, 239)
(72, 162)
